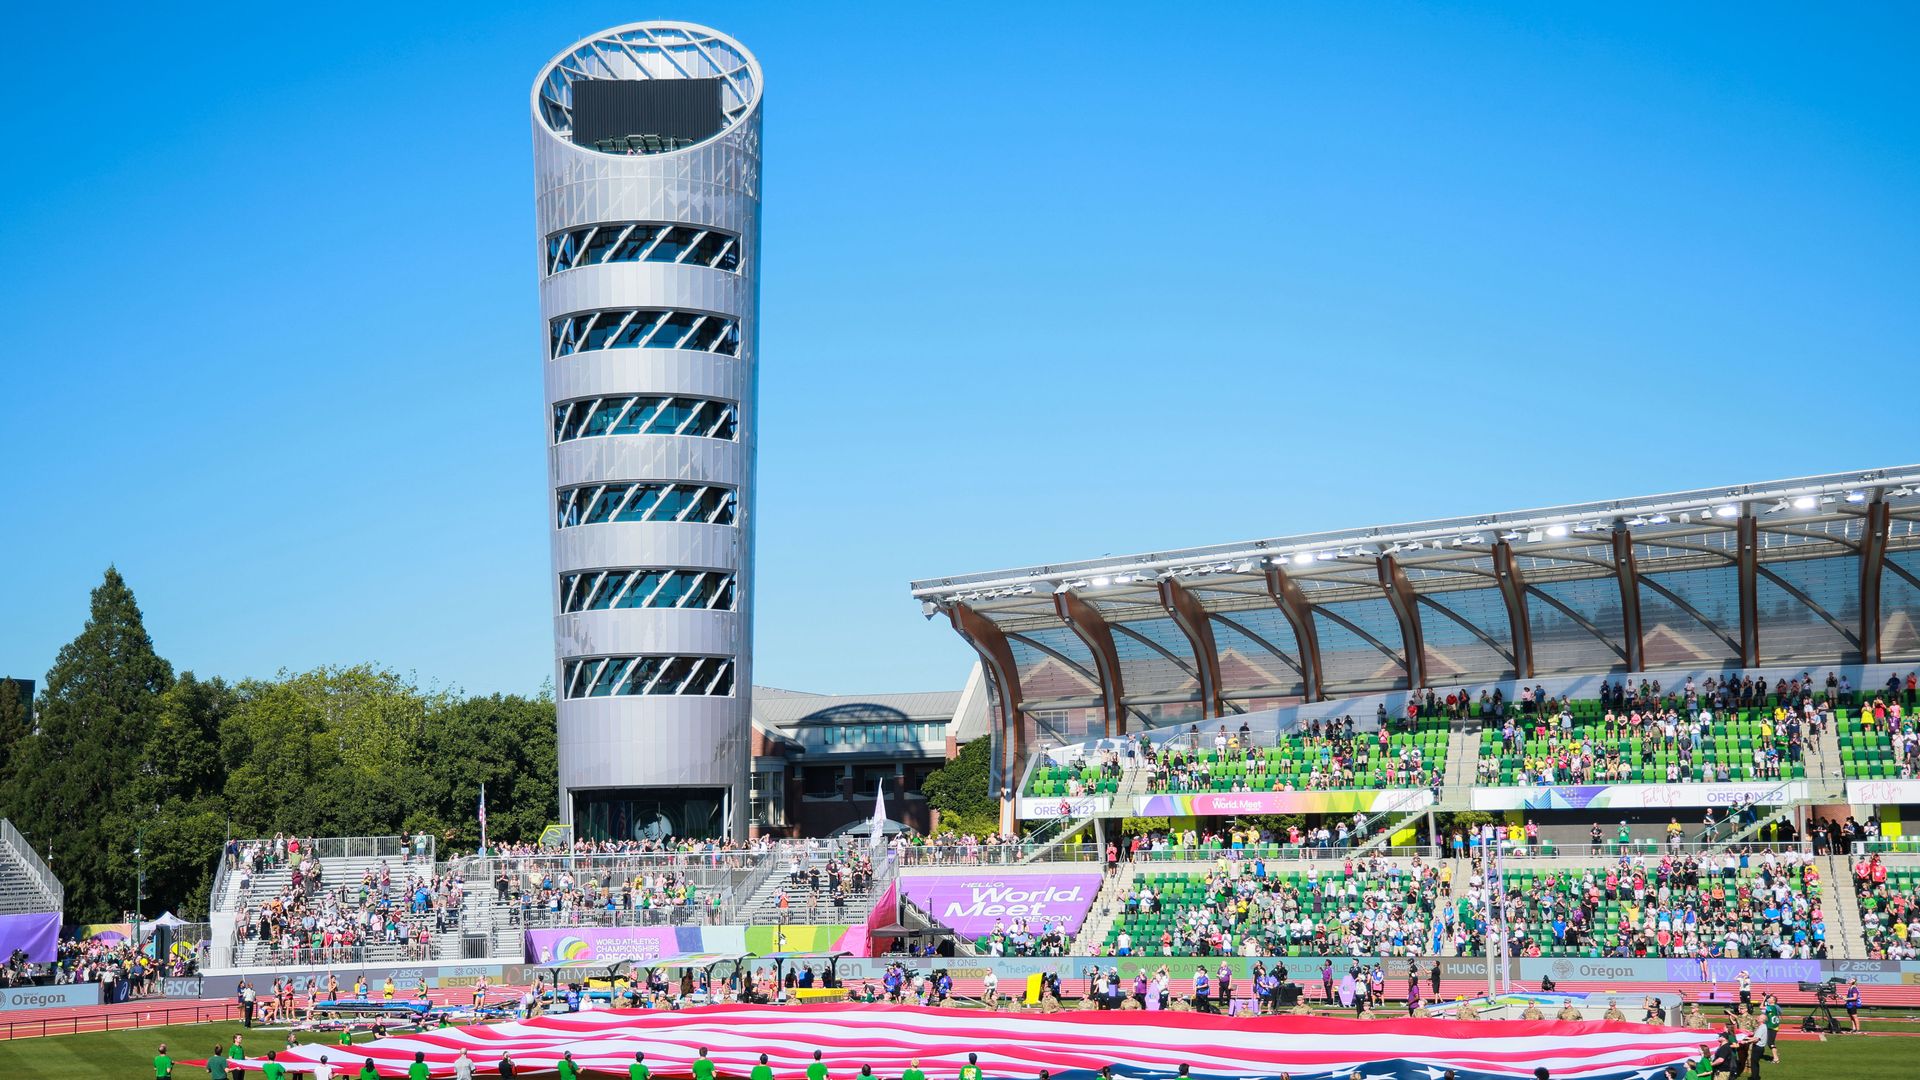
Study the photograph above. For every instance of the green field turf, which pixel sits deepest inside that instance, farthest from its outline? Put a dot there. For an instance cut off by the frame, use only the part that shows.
(126, 1054)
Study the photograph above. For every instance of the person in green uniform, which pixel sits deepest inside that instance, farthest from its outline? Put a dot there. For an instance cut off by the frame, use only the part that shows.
(568, 1070)
(162, 1064)
(1771, 1014)
(272, 1070)
(913, 1071)
(368, 1072)
(237, 1053)
(703, 1066)
(971, 1070)
(217, 1064)
(418, 1070)
(638, 1070)
(818, 1069)
(762, 1071)
(866, 1073)
(346, 1036)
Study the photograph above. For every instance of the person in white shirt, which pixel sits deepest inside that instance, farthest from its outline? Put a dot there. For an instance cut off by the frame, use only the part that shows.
(323, 1071)
(463, 1067)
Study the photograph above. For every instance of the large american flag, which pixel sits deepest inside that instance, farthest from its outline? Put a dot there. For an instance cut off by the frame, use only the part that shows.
(1016, 1046)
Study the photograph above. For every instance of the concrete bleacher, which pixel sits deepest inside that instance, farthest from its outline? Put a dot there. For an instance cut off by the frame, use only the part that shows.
(26, 884)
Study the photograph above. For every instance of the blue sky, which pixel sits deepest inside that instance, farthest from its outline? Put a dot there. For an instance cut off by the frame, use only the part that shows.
(1041, 282)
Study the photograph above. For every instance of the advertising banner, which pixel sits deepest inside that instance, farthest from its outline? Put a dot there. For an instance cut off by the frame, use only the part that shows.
(1637, 796)
(49, 997)
(611, 944)
(971, 904)
(1041, 809)
(1883, 792)
(1227, 803)
(36, 933)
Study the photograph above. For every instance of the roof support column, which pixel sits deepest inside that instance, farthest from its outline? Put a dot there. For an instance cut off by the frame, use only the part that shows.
(996, 659)
(1873, 556)
(1405, 608)
(1293, 603)
(1747, 561)
(1090, 626)
(1187, 614)
(1514, 591)
(1629, 575)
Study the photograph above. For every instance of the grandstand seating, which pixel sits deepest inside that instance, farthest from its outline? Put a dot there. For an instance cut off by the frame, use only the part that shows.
(1889, 908)
(1379, 908)
(1726, 907)
(1546, 748)
(26, 885)
(1868, 751)
(1297, 761)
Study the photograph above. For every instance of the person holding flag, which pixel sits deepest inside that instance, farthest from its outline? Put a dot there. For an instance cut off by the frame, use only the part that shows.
(762, 1071)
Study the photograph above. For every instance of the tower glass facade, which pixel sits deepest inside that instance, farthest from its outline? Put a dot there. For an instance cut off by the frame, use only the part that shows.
(647, 173)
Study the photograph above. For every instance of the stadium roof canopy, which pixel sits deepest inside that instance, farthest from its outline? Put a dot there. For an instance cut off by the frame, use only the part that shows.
(1821, 569)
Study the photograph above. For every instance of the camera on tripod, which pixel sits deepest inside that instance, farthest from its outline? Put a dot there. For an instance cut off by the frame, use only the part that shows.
(1823, 992)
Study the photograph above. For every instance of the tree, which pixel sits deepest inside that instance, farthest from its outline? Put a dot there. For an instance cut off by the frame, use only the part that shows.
(16, 724)
(959, 790)
(100, 706)
(505, 741)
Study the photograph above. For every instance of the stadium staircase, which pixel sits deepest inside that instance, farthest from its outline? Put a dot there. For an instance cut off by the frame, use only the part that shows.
(26, 884)
(762, 906)
(1107, 904)
(1842, 908)
(1463, 757)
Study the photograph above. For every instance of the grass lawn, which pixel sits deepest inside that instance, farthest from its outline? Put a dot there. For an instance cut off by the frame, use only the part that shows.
(127, 1054)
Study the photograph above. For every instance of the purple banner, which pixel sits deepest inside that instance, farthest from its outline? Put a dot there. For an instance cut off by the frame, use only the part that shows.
(970, 904)
(609, 944)
(1727, 972)
(37, 934)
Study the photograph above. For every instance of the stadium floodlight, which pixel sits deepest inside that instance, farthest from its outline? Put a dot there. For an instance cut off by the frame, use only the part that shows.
(1556, 531)
(929, 609)
(1805, 502)
(1024, 590)
(1303, 558)
(1246, 566)
(1635, 522)
(1856, 496)
(1534, 536)
(1324, 556)
(1902, 491)
(1062, 587)
(1657, 519)
(1727, 510)
(1395, 548)
(1778, 506)
(1102, 582)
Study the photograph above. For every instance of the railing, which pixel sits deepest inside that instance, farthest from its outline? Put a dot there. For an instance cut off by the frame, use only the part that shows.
(1648, 848)
(406, 848)
(1887, 845)
(253, 954)
(32, 864)
(148, 1015)
(672, 915)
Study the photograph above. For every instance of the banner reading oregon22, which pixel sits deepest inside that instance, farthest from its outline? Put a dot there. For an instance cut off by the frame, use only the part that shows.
(1637, 796)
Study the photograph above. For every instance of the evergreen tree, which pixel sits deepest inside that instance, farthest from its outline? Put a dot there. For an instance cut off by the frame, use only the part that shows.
(76, 776)
(16, 723)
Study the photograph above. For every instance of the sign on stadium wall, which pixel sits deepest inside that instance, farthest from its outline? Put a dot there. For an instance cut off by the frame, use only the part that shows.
(49, 997)
(612, 944)
(1228, 803)
(970, 905)
(1725, 972)
(1883, 792)
(1637, 796)
(1040, 809)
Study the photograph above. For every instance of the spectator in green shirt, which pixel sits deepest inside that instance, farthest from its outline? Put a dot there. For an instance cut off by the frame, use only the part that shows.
(703, 1066)
(913, 1071)
(762, 1071)
(162, 1064)
(817, 1070)
(638, 1070)
(418, 1070)
(971, 1070)
(217, 1064)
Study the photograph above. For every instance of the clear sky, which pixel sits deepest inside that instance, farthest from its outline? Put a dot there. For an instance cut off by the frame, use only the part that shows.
(1041, 282)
